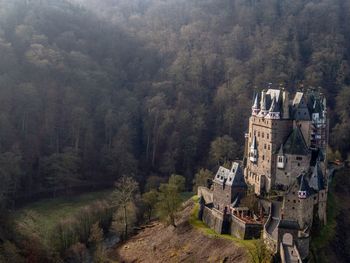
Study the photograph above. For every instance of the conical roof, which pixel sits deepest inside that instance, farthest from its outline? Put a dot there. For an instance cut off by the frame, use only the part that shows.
(304, 186)
(295, 143)
(256, 102)
(280, 152)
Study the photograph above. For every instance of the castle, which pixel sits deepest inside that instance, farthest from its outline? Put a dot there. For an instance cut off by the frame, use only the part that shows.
(284, 169)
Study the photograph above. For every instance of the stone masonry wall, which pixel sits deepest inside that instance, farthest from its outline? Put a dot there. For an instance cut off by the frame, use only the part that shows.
(269, 134)
(294, 166)
(243, 230)
(213, 219)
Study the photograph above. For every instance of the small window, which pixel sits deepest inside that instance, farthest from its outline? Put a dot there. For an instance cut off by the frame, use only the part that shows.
(262, 135)
(265, 146)
(294, 201)
(298, 164)
(299, 158)
(268, 136)
(258, 134)
(268, 147)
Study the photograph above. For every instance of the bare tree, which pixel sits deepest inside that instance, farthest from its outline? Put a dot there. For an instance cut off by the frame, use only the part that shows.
(123, 196)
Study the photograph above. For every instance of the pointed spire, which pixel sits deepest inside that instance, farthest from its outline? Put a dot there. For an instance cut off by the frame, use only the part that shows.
(304, 187)
(256, 102)
(255, 107)
(281, 158)
(280, 152)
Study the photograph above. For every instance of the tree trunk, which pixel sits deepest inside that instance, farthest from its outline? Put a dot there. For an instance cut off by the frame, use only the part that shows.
(126, 224)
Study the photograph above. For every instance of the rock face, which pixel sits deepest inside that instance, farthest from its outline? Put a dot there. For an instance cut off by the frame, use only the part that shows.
(160, 243)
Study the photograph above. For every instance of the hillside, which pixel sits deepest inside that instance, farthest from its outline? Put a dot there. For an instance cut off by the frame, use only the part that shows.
(95, 90)
(185, 243)
(90, 90)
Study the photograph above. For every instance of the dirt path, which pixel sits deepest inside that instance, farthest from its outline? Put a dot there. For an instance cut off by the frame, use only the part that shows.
(160, 243)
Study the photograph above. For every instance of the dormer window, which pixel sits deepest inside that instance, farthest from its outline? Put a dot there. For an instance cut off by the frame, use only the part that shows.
(281, 159)
(302, 194)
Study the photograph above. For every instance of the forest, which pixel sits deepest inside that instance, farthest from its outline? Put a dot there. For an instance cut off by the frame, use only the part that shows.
(93, 90)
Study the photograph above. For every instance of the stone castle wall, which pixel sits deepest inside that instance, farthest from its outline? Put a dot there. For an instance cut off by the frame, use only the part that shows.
(213, 219)
(240, 229)
(300, 210)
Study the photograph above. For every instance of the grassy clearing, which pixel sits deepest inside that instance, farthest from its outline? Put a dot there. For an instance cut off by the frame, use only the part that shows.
(201, 226)
(50, 211)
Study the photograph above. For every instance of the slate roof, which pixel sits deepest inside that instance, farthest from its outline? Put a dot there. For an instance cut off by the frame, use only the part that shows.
(274, 106)
(236, 200)
(316, 181)
(233, 177)
(280, 151)
(295, 143)
(316, 156)
(256, 102)
(300, 107)
(304, 184)
(288, 224)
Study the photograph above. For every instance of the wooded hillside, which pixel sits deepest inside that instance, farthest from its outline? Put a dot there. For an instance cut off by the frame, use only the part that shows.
(91, 90)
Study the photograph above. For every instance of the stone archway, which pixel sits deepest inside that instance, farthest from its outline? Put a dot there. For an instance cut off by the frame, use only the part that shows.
(287, 239)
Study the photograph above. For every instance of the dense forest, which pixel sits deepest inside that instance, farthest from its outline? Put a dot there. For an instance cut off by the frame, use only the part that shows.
(91, 90)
